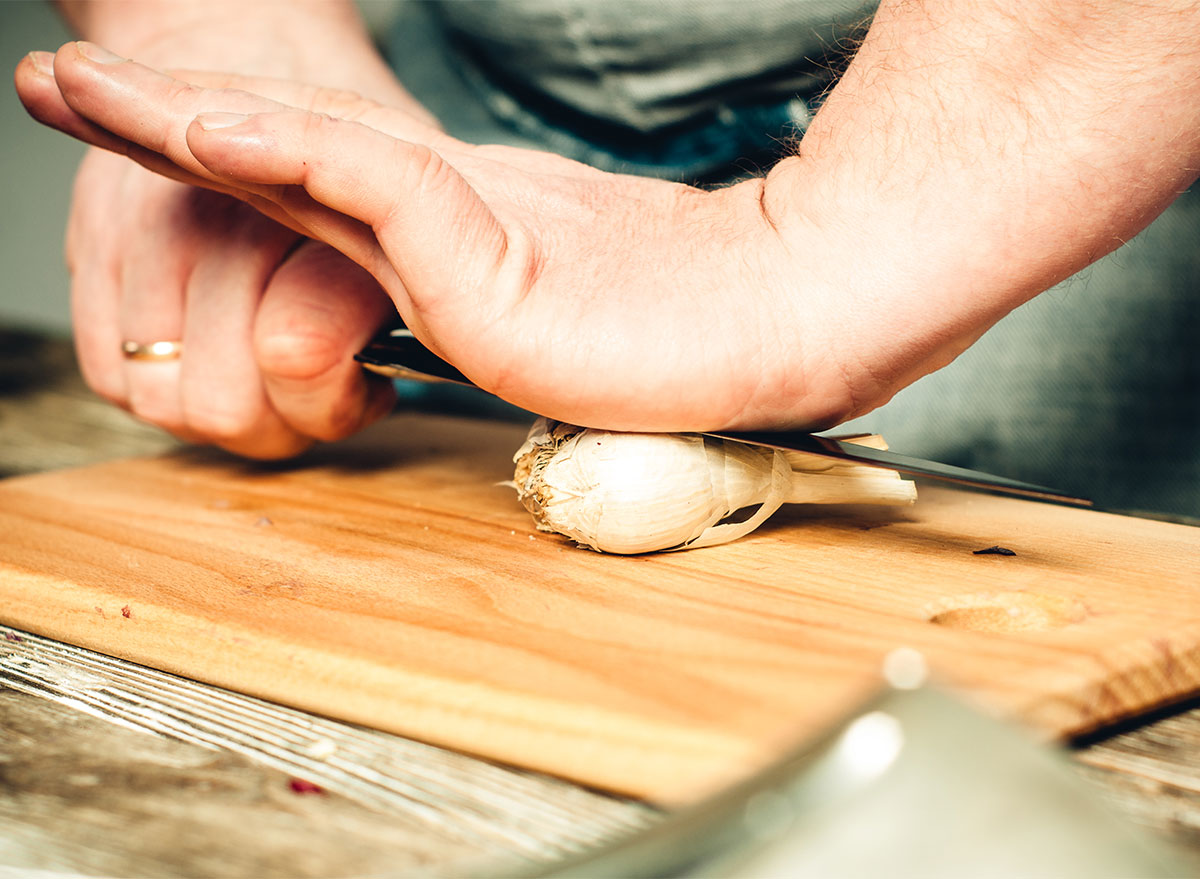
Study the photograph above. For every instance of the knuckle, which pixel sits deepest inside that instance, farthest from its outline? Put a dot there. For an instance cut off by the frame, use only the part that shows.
(336, 424)
(180, 90)
(220, 423)
(275, 447)
(316, 125)
(154, 410)
(429, 170)
(342, 103)
(424, 174)
(344, 415)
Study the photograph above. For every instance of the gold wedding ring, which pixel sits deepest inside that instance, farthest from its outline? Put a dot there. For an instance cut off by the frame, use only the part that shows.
(152, 350)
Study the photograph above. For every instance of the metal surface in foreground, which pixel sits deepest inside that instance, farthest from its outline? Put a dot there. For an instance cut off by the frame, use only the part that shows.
(396, 353)
(913, 784)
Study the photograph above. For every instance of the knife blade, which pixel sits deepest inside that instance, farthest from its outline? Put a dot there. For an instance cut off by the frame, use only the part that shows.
(397, 353)
(831, 447)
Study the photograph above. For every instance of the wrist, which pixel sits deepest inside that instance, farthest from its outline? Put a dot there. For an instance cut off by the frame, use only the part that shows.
(317, 42)
(878, 297)
(795, 360)
(188, 29)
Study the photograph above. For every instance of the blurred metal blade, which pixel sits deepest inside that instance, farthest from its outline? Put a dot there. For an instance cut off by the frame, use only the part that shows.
(396, 353)
(914, 783)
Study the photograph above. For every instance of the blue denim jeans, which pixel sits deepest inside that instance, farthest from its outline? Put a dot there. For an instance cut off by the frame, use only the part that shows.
(1092, 388)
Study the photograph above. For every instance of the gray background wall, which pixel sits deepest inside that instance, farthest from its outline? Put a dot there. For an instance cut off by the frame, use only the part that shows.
(36, 169)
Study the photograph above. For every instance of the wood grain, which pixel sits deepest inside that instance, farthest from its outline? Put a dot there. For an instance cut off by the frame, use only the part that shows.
(1151, 773)
(94, 746)
(393, 583)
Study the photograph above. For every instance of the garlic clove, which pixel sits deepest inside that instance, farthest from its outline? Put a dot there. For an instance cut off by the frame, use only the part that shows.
(639, 492)
(777, 493)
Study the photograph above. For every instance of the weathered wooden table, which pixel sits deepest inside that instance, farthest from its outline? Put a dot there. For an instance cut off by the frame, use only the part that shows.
(109, 768)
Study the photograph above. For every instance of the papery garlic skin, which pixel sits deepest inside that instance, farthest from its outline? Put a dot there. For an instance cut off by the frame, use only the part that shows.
(640, 492)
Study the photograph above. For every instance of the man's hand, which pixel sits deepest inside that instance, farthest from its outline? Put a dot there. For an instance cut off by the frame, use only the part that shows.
(591, 297)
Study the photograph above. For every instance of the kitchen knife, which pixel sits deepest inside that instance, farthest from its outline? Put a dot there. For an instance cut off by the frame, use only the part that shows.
(397, 353)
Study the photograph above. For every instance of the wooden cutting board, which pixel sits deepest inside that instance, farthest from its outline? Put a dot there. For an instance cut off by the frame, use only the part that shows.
(392, 581)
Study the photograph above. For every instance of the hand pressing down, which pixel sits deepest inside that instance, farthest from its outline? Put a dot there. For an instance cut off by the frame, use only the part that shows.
(589, 297)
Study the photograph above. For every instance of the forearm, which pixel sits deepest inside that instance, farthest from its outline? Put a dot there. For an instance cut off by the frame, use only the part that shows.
(975, 153)
(323, 42)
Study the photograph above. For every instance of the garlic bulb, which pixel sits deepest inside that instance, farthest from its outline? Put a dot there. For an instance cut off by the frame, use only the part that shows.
(641, 492)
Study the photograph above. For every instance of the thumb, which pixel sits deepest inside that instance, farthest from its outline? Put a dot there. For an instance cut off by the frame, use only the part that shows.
(438, 241)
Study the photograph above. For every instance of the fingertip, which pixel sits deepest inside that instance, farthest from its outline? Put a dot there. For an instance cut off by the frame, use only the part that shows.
(66, 55)
(305, 351)
(72, 72)
(38, 63)
(96, 54)
(84, 71)
(229, 146)
(218, 121)
(33, 78)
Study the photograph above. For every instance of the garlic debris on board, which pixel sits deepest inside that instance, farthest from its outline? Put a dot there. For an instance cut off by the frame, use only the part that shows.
(641, 492)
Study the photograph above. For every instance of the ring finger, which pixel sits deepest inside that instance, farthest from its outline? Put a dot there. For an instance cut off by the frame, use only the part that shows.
(157, 260)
